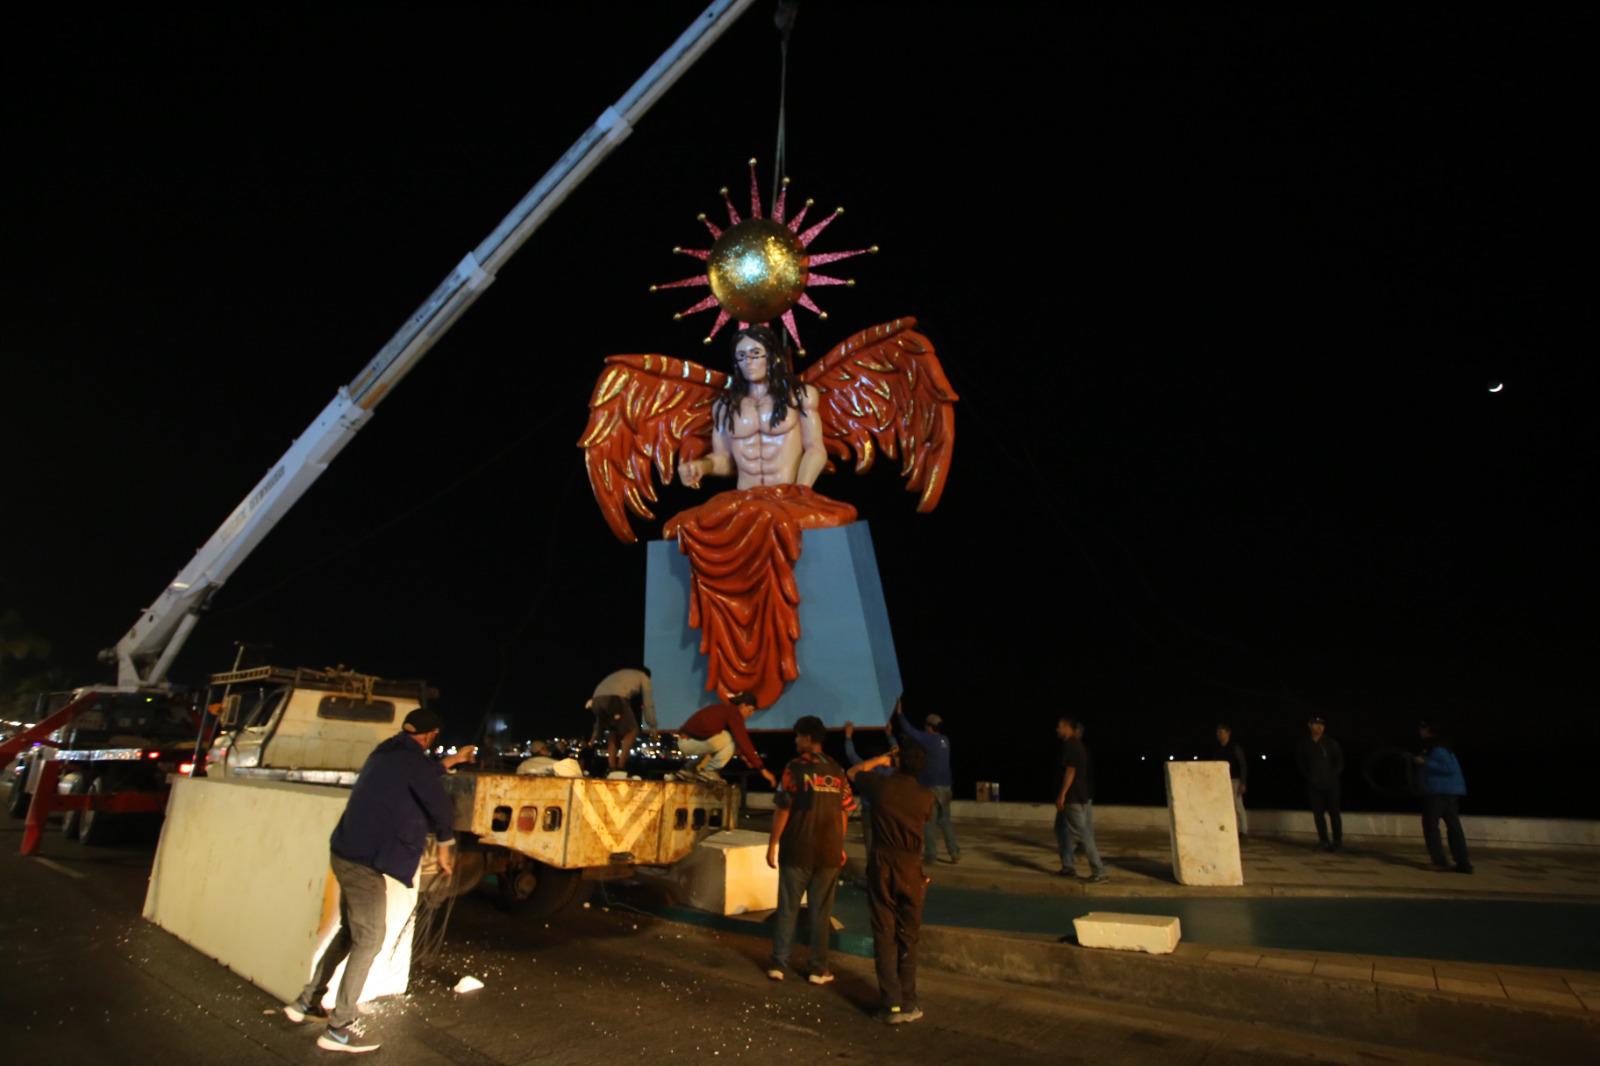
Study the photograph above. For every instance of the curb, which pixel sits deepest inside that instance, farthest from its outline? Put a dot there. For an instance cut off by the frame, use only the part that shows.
(1474, 1027)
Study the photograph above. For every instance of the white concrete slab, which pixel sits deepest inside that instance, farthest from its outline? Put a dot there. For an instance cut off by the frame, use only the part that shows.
(1205, 832)
(1153, 933)
(727, 874)
(241, 874)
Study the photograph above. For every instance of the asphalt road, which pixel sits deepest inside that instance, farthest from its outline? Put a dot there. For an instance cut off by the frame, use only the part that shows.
(87, 980)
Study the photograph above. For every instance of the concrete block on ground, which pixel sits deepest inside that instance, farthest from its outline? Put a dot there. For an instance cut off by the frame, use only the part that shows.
(241, 874)
(726, 873)
(1205, 833)
(1155, 934)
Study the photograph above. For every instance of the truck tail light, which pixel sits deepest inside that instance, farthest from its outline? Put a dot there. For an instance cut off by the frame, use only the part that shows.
(152, 755)
(186, 768)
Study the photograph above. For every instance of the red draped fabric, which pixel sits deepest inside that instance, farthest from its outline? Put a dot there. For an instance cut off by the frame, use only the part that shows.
(742, 547)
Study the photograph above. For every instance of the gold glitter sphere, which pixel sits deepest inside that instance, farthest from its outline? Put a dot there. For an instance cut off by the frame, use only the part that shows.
(758, 270)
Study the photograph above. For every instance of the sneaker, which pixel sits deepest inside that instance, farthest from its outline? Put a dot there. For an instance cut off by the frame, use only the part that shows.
(1071, 875)
(775, 973)
(1463, 869)
(952, 860)
(346, 1039)
(889, 1015)
(1097, 879)
(908, 1014)
(823, 978)
(300, 1010)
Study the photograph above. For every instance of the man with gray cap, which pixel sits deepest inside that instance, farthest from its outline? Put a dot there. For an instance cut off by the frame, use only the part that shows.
(397, 800)
(935, 775)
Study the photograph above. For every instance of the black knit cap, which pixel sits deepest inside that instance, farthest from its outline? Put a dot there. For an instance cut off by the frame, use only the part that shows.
(423, 720)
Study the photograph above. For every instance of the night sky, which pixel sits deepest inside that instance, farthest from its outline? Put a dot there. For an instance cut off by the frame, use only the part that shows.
(1223, 296)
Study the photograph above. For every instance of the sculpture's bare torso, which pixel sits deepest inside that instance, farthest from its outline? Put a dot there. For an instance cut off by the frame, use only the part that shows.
(754, 451)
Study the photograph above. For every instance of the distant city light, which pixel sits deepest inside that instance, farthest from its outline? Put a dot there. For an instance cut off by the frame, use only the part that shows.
(1497, 386)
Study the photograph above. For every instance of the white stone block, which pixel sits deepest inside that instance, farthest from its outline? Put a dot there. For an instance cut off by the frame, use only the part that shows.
(727, 873)
(1205, 833)
(241, 874)
(1154, 933)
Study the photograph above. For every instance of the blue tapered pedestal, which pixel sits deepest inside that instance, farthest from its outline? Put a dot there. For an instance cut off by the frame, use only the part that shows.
(848, 669)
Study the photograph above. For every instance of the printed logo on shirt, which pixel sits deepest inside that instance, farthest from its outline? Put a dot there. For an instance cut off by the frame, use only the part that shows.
(822, 783)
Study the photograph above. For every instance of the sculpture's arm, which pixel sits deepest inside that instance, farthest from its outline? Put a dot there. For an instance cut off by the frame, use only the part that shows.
(718, 464)
(814, 451)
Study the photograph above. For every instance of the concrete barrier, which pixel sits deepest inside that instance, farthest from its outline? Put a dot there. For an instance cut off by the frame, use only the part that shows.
(1482, 830)
(241, 874)
(1153, 933)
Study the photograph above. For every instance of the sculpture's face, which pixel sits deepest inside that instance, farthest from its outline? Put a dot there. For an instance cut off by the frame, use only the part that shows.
(751, 358)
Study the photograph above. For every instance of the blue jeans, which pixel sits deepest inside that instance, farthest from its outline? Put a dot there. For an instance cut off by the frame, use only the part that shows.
(941, 818)
(1077, 819)
(818, 886)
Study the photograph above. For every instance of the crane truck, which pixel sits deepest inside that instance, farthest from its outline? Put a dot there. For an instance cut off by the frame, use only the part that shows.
(541, 836)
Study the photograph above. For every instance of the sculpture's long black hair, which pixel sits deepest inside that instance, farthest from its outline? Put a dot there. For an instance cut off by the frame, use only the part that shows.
(786, 391)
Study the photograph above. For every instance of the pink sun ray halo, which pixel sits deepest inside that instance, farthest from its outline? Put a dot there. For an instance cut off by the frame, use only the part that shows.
(708, 302)
(695, 253)
(833, 257)
(825, 279)
(722, 320)
(733, 212)
(811, 305)
(799, 217)
(755, 192)
(698, 279)
(783, 195)
(710, 225)
(794, 331)
(811, 234)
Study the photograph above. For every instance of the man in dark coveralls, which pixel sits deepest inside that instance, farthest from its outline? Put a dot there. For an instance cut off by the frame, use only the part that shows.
(397, 800)
(900, 811)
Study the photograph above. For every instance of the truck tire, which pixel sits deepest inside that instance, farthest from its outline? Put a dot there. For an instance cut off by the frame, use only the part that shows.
(552, 892)
(95, 826)
(17, 802)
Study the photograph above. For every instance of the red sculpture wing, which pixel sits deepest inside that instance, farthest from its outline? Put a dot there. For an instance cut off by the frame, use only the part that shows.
(884, 390)
(646, 410)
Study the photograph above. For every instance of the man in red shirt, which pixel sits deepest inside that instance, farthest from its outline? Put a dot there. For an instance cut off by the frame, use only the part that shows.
(715, 731)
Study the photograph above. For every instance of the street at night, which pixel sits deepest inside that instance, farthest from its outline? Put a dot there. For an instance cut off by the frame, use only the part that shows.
(812, 529)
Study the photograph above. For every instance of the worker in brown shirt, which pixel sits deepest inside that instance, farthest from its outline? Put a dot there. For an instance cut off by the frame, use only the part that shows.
(806, 847)
(716, 731)
(896, 887)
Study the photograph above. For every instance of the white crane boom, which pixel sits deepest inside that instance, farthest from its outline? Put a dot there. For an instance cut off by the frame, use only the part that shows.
(145, 653)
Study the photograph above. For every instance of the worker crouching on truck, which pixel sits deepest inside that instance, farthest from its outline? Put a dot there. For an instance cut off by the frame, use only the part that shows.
(715, 732)
(397, 800)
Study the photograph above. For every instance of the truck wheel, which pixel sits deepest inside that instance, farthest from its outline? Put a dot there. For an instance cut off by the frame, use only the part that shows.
(94, 826)
(536, 892)
(17, 802)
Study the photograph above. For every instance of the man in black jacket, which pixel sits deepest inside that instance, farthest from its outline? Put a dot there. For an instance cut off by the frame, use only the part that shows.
(896, 885)
(1229, 751)
(397, 800)
(1321, 762)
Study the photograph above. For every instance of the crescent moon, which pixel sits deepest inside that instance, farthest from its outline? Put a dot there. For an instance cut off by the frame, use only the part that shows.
(1497, 386)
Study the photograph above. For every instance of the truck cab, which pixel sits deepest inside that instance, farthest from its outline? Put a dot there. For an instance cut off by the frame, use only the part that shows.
(299, 724)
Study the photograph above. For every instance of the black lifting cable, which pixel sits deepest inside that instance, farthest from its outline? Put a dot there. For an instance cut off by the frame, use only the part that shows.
(784, 19)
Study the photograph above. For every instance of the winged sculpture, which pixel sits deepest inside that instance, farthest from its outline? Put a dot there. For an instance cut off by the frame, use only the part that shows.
(654, 417)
